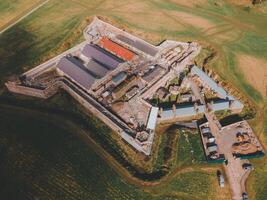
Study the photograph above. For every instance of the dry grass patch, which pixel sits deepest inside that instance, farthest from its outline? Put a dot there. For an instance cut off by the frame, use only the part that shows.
(192, 20)
(190, 4)
(158, 23)
(10, 10)
(241, 2)
(255, 72)
(127, 6)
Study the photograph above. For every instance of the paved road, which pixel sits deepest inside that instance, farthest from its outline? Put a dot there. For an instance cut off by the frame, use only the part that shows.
(236, 175)
(24, 16)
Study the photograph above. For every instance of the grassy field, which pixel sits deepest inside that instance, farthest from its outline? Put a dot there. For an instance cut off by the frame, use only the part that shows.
(28, 151)
(13, 10)
(44, 157)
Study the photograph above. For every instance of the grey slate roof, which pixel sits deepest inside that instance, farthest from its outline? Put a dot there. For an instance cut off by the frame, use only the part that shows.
(138, 44)
(96, 68)
(149, 76)
(167, 114)
(102, 56)
(75, 72)
(180, 111)
(185, 111)
(209, 81)
(220, 105)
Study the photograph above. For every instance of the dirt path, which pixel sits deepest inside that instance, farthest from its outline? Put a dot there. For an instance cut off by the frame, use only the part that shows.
(22, 16)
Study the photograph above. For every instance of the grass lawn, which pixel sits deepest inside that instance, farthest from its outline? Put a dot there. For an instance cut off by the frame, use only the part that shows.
(190, 150)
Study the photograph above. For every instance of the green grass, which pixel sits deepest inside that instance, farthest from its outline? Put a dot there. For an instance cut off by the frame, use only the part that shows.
(13, 8)
(160, 157)
(42, 157)
(190, 185)
(252, 44)
(261, 184)
(200, 189)
(190, 150)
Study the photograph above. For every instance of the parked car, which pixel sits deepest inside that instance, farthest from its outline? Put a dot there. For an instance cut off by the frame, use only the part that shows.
(220, 178)
(247, 166)
(245, 196)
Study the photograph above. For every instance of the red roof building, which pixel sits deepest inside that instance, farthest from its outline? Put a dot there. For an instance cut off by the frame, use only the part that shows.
(116, 49)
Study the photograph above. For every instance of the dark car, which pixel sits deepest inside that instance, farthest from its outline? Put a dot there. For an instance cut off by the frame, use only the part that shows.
(247, 166)
(245, 196)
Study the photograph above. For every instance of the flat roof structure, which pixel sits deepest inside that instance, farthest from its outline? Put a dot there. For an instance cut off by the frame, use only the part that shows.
(138, 44)
(236, 105)
(220, 105)
(209, 81)
(76, 73)
(152, 120)
(184, 111)
(102, 56)
(181, 111)
(116, 49)
(167, 114)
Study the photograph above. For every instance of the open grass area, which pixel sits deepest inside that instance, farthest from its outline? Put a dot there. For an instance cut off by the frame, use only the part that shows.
(42, 158)
(193, 184)
(12, 10)
(190, 150)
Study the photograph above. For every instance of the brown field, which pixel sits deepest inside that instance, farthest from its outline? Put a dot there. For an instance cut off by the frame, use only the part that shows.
(255, 71)
(241, 2)
(192, 20)
(190, 4)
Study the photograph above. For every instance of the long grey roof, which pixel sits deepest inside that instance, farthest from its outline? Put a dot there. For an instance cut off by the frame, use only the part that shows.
(101, 55)
(152, 120)
(209, 81)
(152, 73)
(138, 44)
(220, 105)
(96, 68)
(180, 111)
(75, 72)
(167, 114)
(185, 110)
(237, 105)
